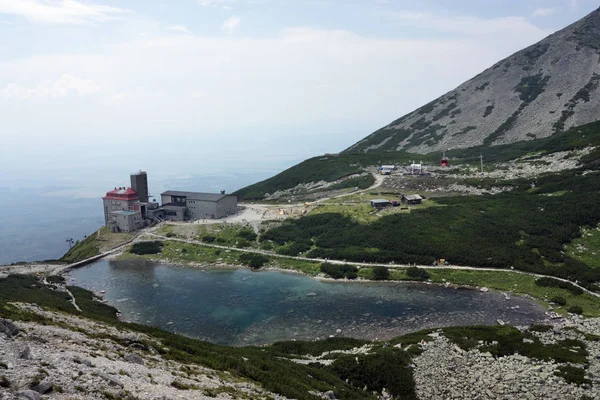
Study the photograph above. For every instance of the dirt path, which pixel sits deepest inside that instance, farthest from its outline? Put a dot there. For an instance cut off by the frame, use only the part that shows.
(362, 264)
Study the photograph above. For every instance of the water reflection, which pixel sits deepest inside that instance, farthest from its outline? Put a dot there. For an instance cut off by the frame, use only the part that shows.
(239, 307)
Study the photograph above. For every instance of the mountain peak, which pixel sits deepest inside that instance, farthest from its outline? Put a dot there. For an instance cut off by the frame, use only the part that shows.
(543, 89)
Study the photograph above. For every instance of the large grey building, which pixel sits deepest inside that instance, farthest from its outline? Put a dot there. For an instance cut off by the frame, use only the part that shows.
(180, 205)
(127, 209)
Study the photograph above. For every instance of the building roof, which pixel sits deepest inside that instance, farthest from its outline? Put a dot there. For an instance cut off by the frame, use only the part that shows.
(413, 197)
(121, 193)
(196, 195)
(380, 201)
(125, 212)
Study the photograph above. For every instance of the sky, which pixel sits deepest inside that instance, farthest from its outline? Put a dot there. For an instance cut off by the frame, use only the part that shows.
(94, 89)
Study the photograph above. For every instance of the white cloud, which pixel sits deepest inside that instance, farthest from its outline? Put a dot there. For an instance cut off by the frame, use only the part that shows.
(543, 12)
(280, 88)
(60, 11)
(231, 24)
(180, 28)
(66, 85)
(468, 25)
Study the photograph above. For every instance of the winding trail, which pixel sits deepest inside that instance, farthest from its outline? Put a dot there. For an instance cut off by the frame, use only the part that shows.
(363, 264)
(73, 300)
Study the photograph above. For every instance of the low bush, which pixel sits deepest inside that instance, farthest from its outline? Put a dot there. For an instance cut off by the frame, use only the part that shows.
(170, 235)
(506, 340)
(294, 248)
(208, 238)
(559, 300)
(56, 279)
(417, 273)
(253, 260)
(380, 273)
(337, 271)
(575, 310)
(388, 369)
(572, 374)
(247, 234)
(266, 246)
(551, 282)
(242, 243)
(142, 248)
(4, 382)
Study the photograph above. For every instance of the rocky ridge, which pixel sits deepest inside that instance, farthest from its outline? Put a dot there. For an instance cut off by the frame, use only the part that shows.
(541, 90)
(82, 359)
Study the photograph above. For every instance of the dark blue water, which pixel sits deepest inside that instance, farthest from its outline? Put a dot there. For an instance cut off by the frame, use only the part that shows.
(237, 307)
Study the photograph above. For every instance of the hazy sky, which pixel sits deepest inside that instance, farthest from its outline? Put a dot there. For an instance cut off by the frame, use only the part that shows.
(105, 85)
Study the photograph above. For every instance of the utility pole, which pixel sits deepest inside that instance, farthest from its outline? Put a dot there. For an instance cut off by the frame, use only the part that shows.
(481, 159)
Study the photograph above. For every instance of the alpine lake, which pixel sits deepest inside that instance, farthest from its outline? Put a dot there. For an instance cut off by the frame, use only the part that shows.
(243, 307)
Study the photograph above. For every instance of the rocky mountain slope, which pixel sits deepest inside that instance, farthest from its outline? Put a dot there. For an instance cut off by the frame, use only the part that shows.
(71, 357)
(544, 89)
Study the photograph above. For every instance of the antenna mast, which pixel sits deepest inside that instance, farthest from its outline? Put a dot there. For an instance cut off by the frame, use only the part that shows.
(481, 159)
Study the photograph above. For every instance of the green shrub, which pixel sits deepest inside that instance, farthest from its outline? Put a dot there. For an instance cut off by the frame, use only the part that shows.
(4, 382)
(575, 310)
(266, 246)
(337, 271)
(170, 235)
(56, 279)
(361, 182)
(551, 282)
(388, 369)
(182, 386)
(247, 234)
(416, 273)
(294, 248)
(208, 238)
(559, 300)
(242, 243)
(572, 374)
(540, 328)
(380, 273)
(141, 248)
(253, 260)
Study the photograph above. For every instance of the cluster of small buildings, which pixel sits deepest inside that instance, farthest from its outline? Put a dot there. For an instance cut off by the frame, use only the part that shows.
(409, 199)
(127, 209)
(414, 168)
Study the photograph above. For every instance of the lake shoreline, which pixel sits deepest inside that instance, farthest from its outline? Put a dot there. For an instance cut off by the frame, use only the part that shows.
(292, 309)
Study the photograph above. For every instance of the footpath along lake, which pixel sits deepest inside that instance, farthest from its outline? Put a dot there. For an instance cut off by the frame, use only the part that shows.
(242, 307)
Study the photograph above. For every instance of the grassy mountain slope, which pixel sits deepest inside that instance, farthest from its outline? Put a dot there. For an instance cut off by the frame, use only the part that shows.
(332, 167)
(542, 90)
(328, 168)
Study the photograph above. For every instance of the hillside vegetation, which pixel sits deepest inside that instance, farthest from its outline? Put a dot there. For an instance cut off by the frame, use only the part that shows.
(328, 168)
(332, 167)
(526, 228)
(96, 243)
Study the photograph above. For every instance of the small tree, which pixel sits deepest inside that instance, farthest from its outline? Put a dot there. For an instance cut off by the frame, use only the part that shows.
(559, 300)
(575, 310)
(380, 273)
(253, 260)
(417, 273)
